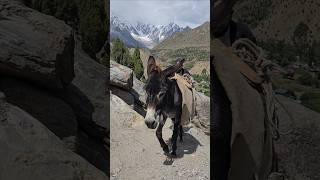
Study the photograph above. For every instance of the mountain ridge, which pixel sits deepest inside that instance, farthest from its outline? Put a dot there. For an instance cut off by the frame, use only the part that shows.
(142, 35)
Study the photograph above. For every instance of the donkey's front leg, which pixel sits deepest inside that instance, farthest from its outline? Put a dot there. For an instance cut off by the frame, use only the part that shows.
(159, 133)
(175, 133)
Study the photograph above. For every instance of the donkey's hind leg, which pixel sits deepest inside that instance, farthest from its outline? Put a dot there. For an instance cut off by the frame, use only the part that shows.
(159, 134)
(181, 133)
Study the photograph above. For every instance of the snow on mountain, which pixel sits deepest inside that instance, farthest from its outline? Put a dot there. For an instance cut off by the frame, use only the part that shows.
(141, 34)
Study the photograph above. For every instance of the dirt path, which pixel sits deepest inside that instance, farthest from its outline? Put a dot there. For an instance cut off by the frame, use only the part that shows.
(137, 155)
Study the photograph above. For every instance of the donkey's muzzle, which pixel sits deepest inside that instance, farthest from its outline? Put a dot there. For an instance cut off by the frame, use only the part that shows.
(152, 124)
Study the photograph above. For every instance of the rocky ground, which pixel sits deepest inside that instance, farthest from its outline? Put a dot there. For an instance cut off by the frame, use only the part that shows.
(136, 152)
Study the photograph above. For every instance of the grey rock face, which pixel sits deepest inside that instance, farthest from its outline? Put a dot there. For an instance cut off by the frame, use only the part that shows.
(35, 46)
(50, 110)
(87, 96)
(90, 80)
(29, 148)
(202, 118)
(121, 76)
(138, 92)
(38, 61)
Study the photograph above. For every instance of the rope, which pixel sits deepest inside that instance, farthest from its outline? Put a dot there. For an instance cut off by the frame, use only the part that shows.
(254, 57)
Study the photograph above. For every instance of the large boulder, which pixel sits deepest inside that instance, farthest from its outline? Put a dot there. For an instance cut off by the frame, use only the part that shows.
(124, 95)
(121, 76)
(60, 118)
(91, 82)
(50, 110)
(88, 98)
(202, 118)
(138, 92)
(30, 151)
(35, 46)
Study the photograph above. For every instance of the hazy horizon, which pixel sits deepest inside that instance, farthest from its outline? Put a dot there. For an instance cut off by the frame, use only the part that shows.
(190, 13)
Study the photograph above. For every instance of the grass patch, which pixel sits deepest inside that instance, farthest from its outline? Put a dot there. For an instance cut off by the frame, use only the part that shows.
(309, 95)
(189, 65)
(203, 83)
(188, 54)
(311, 100)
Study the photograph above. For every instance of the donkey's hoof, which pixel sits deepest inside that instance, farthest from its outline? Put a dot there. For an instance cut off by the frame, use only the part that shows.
(166, 149)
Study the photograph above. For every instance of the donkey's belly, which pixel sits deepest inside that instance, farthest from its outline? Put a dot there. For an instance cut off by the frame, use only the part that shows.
(170, 113)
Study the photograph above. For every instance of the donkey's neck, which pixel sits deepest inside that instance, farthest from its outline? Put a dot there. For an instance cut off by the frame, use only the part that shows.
(171, 105)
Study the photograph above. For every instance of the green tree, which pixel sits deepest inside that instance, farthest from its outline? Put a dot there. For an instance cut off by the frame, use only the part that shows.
(138, 66)
(117, 51)
(93, 25)
(121, 54)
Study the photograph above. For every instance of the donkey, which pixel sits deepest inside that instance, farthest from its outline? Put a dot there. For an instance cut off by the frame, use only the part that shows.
(164, 99)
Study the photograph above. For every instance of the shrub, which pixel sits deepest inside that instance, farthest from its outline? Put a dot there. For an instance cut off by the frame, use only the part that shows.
(87, 16)
(137, 63)
(122, 56)
(203, 82)
(93, 25)
(311, 100)
(308, 80)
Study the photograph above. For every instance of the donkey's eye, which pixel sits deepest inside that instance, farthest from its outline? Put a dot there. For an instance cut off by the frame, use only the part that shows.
(162, 93)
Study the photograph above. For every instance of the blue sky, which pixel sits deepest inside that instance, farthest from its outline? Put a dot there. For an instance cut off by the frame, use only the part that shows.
(190, 13)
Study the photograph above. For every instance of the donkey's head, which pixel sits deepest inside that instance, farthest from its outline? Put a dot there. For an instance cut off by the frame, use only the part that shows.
(156, 88)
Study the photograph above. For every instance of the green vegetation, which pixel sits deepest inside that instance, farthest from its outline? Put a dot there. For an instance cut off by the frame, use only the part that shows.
(308, 80)
(203, 82)
(253, 13)
(189, 54)
(311, 100)
(93, 25)
(137, 63)
(88, 17)
(189, 65)
(284, 53)
(300, 34)
(305, 86)
(61, 9)
(121, 55)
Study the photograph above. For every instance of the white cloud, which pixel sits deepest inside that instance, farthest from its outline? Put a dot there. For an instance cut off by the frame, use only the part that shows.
(160, 12)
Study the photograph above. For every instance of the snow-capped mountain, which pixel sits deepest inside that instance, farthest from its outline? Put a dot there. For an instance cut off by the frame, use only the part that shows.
(141, 34)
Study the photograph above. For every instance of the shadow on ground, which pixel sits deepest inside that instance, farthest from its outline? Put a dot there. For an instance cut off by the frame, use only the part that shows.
(188, 146)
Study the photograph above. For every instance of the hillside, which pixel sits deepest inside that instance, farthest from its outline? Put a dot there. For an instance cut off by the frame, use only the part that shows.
(192, 45)
(288, 31)
(278, 20)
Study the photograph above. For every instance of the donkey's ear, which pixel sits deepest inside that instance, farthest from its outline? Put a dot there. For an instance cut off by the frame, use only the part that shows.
(151, 64)
(174, 68)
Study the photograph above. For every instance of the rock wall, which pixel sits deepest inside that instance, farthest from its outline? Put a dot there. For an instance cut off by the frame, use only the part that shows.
(34, 46)
(30, 151)
(54, 118)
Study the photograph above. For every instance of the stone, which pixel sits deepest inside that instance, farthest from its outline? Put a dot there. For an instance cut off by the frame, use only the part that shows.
(121, 76)
(35, 46)
(29, 148)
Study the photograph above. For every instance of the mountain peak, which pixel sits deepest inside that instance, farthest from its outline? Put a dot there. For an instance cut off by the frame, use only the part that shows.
(146, 34)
